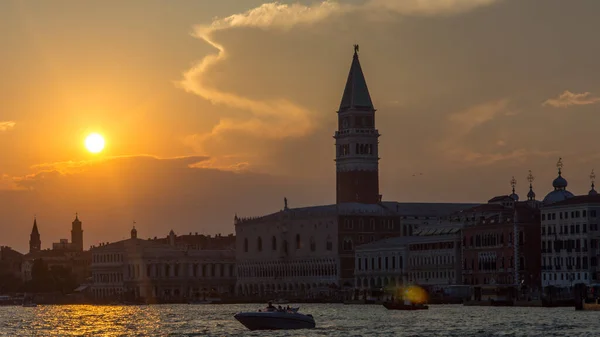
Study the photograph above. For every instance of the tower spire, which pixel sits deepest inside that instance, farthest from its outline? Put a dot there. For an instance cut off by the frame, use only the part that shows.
(356, 93)
(559, 166)
(35, 242)
(593, 180)
(531, 194)
(513, 183)
(77, 234)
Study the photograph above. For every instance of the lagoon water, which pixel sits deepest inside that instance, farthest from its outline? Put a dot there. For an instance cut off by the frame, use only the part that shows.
(332, 320)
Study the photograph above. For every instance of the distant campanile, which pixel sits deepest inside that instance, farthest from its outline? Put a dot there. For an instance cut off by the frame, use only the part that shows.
(357, 160)
(35, 242)
(76, 234)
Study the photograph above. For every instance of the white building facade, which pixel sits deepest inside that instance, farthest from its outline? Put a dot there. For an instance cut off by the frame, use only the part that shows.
(431, 258)
(154, 271)
(570, 237)
(294, 250)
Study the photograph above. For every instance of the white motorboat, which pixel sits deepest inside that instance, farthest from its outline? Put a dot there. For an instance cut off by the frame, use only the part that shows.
(275, 320)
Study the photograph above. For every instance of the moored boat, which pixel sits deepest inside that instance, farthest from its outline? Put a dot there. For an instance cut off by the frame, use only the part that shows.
(404, 306)
(275, 320)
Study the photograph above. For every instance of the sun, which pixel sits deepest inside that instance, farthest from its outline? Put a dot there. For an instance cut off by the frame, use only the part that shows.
(94, 143)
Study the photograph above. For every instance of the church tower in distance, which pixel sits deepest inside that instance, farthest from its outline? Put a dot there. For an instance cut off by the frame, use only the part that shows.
(356, 142)
(35, 243)
(76, 234)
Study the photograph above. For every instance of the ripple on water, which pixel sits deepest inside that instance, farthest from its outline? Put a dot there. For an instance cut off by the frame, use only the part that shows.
(332, 320)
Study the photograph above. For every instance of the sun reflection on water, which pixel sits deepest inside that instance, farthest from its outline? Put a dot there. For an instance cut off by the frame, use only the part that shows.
(88, 320)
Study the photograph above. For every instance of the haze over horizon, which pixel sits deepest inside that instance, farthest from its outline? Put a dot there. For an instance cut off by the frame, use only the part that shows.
(210, 108)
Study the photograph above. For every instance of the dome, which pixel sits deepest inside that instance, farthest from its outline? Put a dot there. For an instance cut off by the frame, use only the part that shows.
(556, 196)
(531, 195)
(560, 182)
(593, 190)
(514, 196)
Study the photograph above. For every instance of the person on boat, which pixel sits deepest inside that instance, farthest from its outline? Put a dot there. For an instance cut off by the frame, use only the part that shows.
(270, 307)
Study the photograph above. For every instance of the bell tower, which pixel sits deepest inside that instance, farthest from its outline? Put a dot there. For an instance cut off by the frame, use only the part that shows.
(356, 142)
(77, 234)
(35, 243)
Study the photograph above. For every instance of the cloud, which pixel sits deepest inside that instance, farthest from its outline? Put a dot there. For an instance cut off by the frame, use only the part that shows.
(457, 147)
(7, 125)
(281, 117)
(158, 193)
(429, 7)
(568, 98)
(465, 121)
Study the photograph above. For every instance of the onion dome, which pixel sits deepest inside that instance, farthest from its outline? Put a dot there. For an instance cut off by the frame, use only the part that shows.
(513, 183)
(560, 182)
(560, 192)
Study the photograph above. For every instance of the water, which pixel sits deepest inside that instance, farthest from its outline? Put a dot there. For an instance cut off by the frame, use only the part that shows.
(332, 320)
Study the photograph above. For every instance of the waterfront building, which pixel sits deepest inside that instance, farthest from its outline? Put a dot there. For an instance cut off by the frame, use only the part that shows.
(10, 264)
(501, 245)
(431, 257)
(298, 250)
(64, 254)
(159, 271)
(570, 236)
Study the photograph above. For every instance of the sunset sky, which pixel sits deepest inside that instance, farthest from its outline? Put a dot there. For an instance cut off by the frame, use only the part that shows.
(209, 108)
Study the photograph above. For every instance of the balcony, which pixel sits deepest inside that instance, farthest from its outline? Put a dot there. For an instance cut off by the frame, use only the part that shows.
(355, 131)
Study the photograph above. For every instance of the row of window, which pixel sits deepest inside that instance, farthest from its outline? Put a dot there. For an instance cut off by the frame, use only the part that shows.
(284, 246)
(432, 246)
(177, 270)
(568, 229)
(344, 149)
(568, 245)
(500, 279)
(493, 264)
(107, 258)
(284, 271)
(491, 240)
(385, 263)
(565, 215)
(431, 260)
(569, 262)
(426, 275)
(384, 223)
(564, 276)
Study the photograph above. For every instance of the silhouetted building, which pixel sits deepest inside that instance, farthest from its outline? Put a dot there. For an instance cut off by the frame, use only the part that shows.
(10, 264)
(357, 160)
(501, 249)
(76, 234)
(35, 242)
(64, 254)
(199, 241)
(301, 249)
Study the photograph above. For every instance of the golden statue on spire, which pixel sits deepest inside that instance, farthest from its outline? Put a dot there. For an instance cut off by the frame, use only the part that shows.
(355, 49)
(559, 165)
(513, 183)
(530, 177)
(593, 176)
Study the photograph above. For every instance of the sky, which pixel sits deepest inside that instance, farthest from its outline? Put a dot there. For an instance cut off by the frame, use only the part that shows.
(216, 108)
